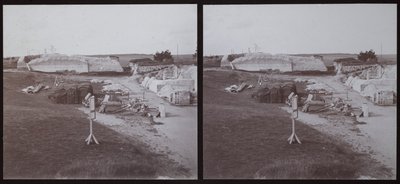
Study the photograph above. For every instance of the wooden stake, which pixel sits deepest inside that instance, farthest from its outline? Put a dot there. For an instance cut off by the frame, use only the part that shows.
(91, 136)
(293, 137)
(92, 116)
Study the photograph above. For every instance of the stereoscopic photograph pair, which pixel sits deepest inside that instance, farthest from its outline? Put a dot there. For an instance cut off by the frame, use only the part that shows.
(155, 92)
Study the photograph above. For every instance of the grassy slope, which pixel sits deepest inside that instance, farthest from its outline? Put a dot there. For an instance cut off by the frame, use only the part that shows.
(45, 140)
(247, 139)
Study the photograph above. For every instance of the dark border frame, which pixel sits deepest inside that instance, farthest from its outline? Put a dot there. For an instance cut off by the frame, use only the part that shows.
(199, 4)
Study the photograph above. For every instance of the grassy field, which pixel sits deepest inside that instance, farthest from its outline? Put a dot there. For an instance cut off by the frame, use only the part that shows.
(247, 139)
(45, 140)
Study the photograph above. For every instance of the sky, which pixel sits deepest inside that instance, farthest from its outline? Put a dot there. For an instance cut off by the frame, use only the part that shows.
(300, 29)
(99, 29)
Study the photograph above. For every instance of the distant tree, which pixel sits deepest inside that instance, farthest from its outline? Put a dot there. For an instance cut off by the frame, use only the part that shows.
(163, 56)
(367, 56)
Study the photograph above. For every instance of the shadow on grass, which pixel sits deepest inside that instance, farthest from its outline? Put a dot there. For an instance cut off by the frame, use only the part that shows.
(307, 169)
(109, 168)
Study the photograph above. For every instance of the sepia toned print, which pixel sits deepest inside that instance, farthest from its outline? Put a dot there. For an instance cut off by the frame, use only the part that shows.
(299, 91)
(100, 92)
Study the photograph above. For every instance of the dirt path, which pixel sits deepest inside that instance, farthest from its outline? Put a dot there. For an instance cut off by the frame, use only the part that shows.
(175, 135)
(377, 137)
(380, 127)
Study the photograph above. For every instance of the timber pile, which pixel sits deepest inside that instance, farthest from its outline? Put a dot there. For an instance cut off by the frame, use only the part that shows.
(34, 89)
(236, 88)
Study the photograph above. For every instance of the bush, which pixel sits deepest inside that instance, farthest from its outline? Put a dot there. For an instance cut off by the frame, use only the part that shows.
(164, 56)
(367, 56)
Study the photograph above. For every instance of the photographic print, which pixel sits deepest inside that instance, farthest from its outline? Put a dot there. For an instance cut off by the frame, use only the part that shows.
(300, 91)
(100, 92)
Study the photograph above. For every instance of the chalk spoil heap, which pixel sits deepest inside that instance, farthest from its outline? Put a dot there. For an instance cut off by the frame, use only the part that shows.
(79, 64)
(283, 63)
